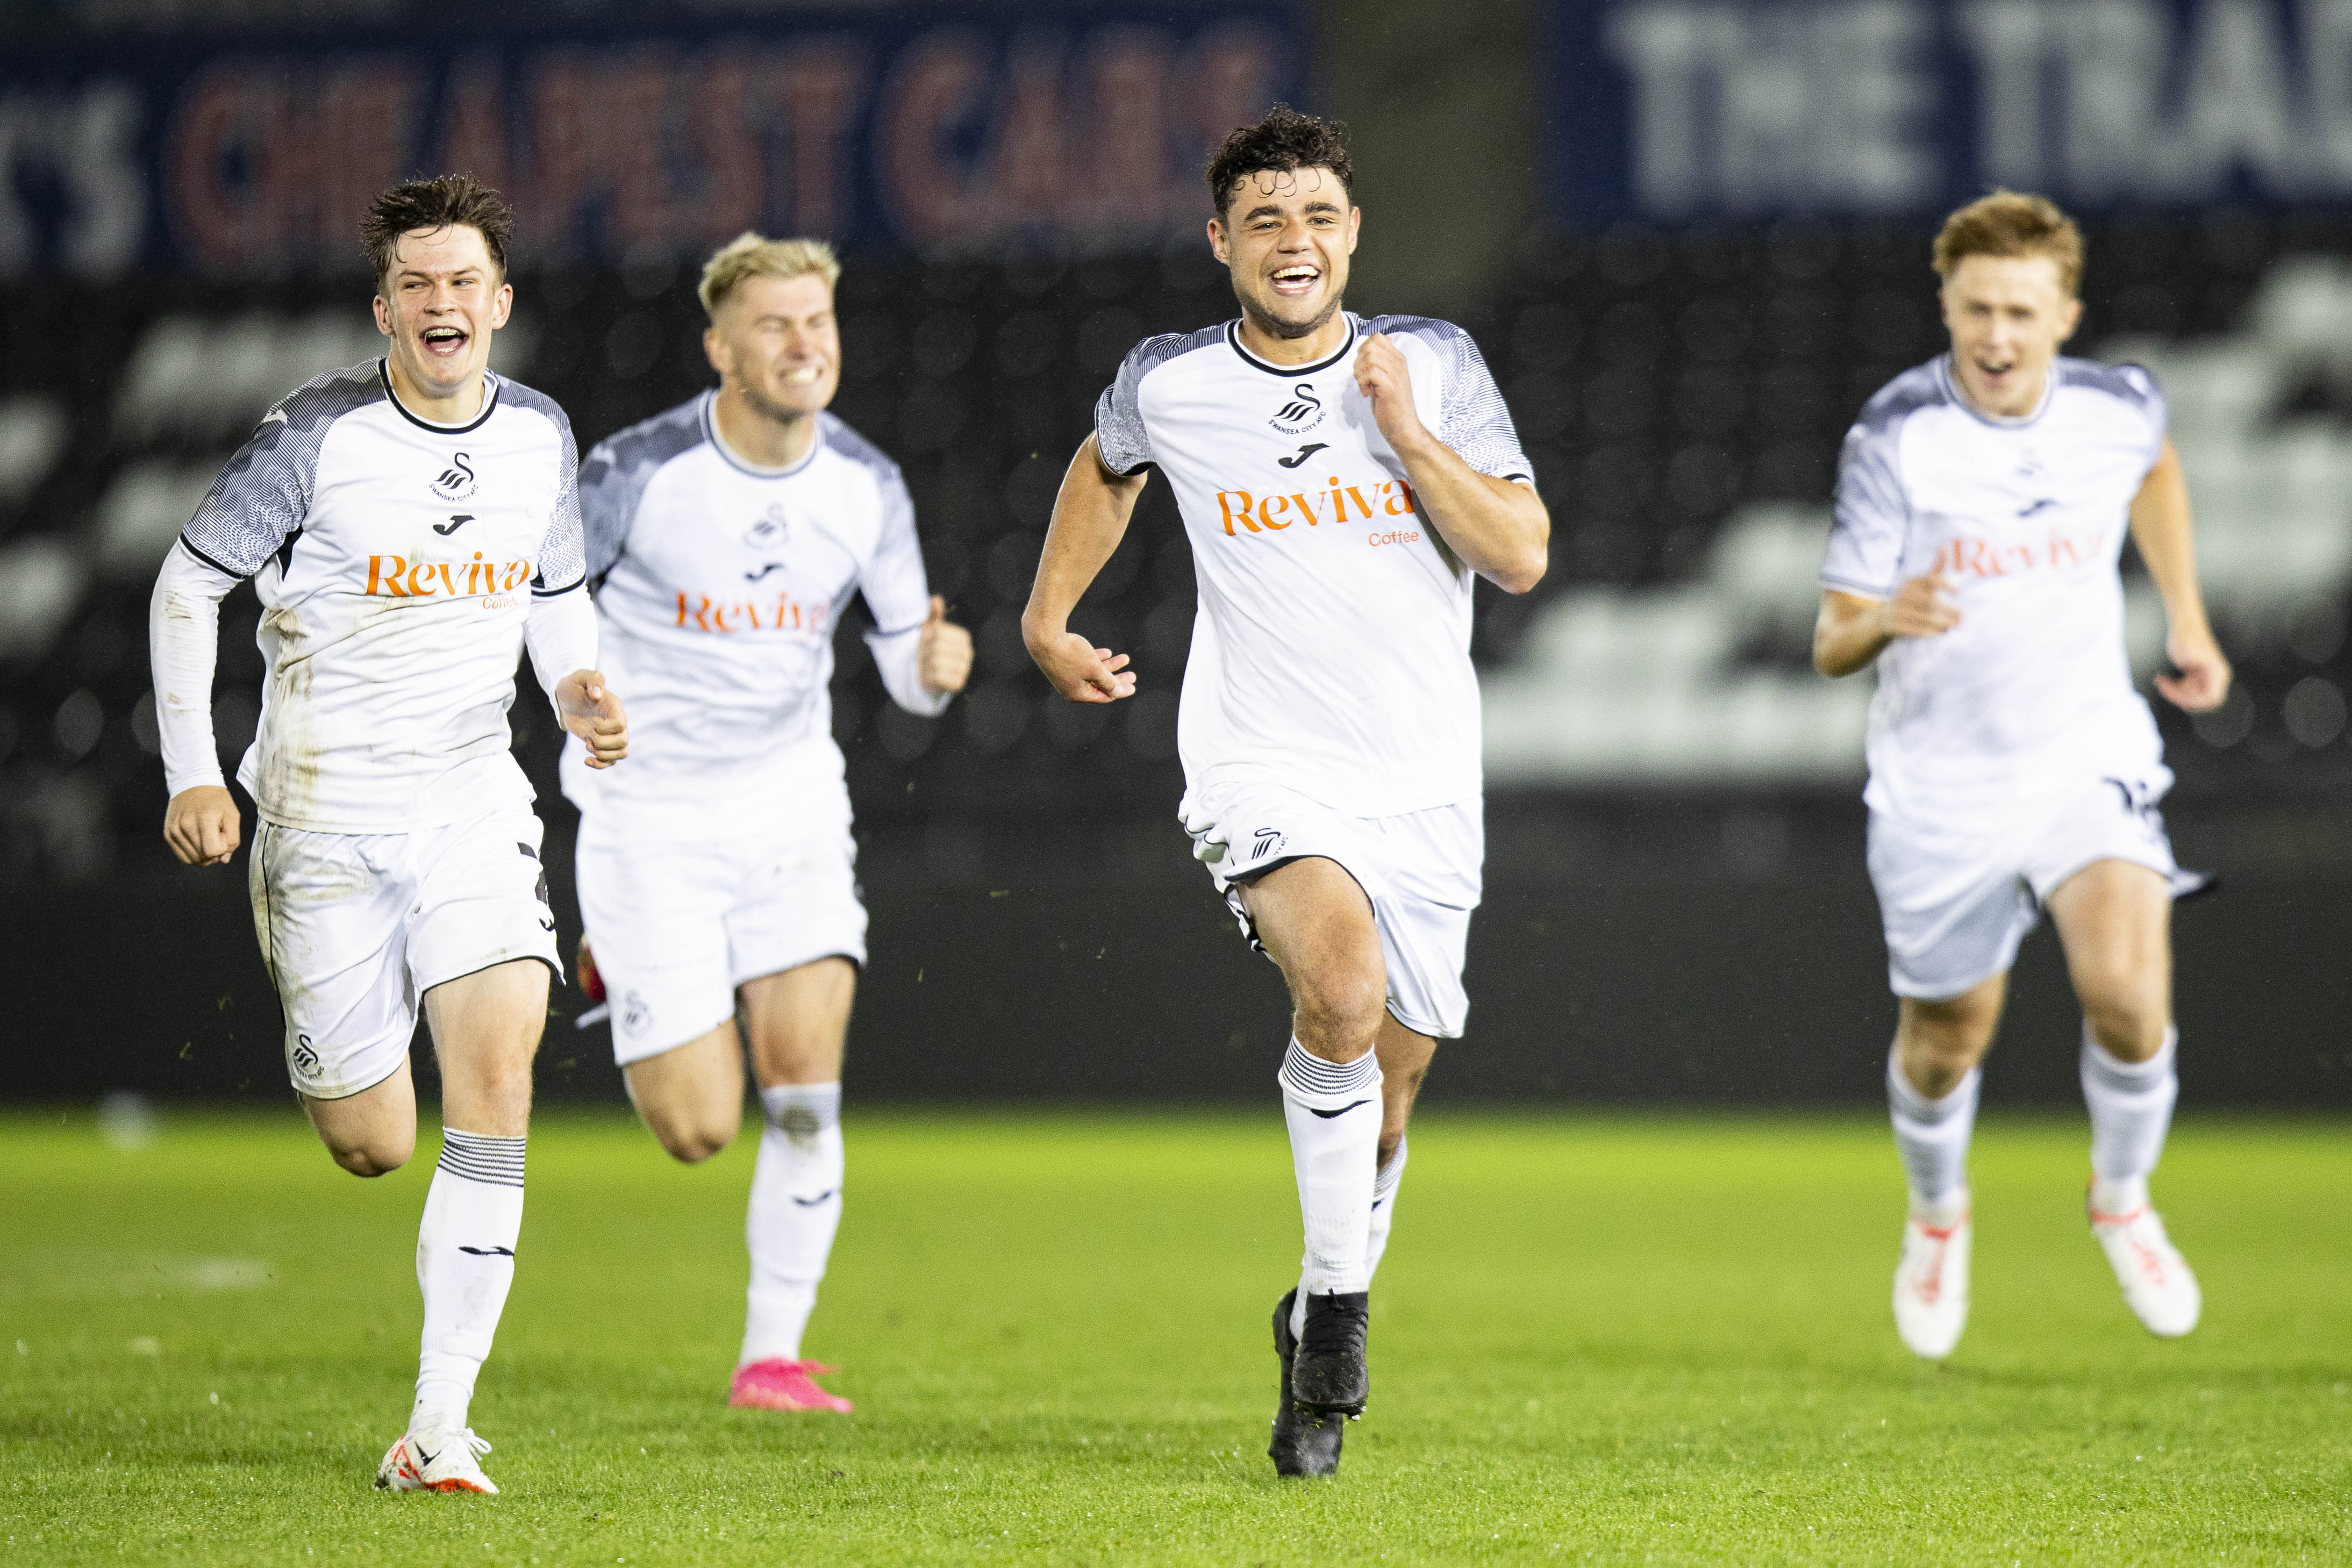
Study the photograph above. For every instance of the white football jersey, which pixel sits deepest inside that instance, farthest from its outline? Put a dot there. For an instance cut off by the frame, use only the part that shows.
(718, 587)
(395, 561)
(1331, 649)
(2027, 519)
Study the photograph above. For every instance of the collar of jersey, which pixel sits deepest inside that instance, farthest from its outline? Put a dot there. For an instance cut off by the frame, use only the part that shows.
(490, 401)
(1952, 389)
(718, 445)
(1233, 337)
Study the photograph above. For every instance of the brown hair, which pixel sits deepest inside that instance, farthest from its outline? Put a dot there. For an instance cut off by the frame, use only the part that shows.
(750, 255)
(1284, 141)
(2010, 223)
(439, 204)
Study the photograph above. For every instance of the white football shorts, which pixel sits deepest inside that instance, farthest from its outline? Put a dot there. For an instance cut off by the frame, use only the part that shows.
(1956, 904)
(1421, 870)
(356, 927)
(677, 924)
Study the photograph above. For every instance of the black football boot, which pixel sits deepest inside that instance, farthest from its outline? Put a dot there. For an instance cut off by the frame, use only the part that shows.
(1327, 1373)
(1302, 1445)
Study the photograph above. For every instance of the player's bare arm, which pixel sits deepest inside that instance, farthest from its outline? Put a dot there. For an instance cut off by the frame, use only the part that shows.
(2161, 527)
(943, 652)
(200, 825)
(1854, 629)
(1089, 520)
(591, 710)
(1499, 527)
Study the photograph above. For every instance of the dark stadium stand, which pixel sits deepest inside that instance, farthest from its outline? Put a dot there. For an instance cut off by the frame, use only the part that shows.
(1660, 383)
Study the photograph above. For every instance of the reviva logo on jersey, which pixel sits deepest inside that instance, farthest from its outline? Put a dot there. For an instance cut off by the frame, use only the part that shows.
(1275, 513)
(397, 577)
(1962, 556)
(704, 613)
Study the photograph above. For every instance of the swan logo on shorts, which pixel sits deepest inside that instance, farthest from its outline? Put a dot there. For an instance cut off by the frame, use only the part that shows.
(456, 482)
(1301, 411)
(306, 1059)
(637, 1015)
(1265, 841)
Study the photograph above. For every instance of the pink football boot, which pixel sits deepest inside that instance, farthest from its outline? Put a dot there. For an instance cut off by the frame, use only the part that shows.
(782, 1385)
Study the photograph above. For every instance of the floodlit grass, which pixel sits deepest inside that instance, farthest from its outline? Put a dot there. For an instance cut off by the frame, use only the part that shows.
(1614, 1340)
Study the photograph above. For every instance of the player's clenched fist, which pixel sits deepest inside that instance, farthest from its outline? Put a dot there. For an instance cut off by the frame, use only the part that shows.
(1386, 385)
(591, 711)
(1920, 609)
(200, 825)
(1082, 672)
(943, 652)
(2204, 678)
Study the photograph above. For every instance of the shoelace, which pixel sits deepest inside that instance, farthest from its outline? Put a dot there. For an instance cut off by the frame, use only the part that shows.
(478, 1445)
(2144, 1252)
(1335, 1330)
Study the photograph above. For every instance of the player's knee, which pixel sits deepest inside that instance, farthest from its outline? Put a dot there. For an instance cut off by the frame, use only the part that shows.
(2127, 1028)
(1939, 1048)
(693, 1136)
(693, 1144)
(1340, 1006)
(372, 1159)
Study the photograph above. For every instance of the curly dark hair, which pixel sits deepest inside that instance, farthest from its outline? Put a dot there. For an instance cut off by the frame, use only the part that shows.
(1284, 141)
(436, 205)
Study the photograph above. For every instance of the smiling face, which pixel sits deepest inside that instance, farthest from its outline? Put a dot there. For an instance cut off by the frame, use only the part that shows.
(776, 346)
(2007, 314)
(438, 301)
(1286, 236)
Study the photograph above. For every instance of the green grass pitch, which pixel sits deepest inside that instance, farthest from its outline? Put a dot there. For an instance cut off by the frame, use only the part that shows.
(1595, 1339)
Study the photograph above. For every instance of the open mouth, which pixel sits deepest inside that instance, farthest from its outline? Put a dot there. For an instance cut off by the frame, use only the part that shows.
(1296, 279)
(444, 342)
(803, 375)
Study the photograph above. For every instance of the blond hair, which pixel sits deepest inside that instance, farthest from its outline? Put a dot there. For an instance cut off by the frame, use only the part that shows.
(2011, 223)
(750, 255)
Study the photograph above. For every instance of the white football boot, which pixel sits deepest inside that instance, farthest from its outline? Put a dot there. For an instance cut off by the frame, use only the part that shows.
(1931, 1285)
(435, 1461)
(2157, 1286)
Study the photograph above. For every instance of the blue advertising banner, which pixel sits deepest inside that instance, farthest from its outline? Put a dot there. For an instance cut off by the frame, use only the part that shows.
(933, 131)
(1679, 111)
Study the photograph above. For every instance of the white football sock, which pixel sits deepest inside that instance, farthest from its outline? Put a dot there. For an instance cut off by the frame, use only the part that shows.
(1334, 1113)
(1384, 1193)
(1384, 1201)
(1932, 1138)
(795, 1210)
(465, 1265)
(2131, 1108)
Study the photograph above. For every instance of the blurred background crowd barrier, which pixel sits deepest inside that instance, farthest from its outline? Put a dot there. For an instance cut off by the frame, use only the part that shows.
(1691, 238)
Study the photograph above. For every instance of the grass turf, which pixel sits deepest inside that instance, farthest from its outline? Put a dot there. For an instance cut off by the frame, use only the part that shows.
(1614, 1340)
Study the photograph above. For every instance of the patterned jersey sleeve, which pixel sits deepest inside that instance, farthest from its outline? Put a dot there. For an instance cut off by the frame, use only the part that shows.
(562, 564)
(896, 590)
(262, 498)
(614, 479)
(1475, 422)
(607, 501)
(1870, 517)
(2154, 406)
(1121, 439)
